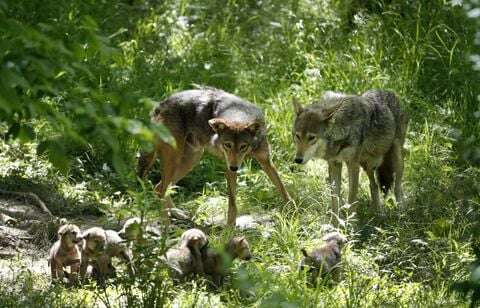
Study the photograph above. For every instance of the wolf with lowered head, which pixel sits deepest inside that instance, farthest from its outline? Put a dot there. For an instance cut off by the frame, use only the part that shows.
(212, 119)
(365, 131)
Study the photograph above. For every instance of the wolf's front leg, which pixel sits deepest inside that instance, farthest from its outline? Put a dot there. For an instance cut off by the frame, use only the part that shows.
(231, 177)
(262, 155)
(83, 267)
(353, 175)
(335, 181)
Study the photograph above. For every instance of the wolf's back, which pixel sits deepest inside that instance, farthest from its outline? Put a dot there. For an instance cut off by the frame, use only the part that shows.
(389, 98)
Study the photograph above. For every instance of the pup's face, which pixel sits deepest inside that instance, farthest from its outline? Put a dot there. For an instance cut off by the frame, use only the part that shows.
(335, 237)
(197, 241)
(132, 230)
(241, 248)
(95, 240)
(69, 234)
(234, 140)
(309, 136)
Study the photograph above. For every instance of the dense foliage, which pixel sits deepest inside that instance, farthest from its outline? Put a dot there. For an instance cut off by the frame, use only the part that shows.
(79, 78)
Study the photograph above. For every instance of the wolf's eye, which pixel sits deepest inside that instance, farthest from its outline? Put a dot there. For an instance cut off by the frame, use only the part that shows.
(243, 147)
(228, 145)
(311, 138)
(297, 136)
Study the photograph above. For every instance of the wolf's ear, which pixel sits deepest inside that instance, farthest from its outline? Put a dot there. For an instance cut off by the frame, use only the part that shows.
(327, 112)
(297, 106)
(217, 124)
(254, 127)
(305, 254)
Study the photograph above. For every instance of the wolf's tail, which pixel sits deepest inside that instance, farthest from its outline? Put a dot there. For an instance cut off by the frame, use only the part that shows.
(385, 172)
(145, 162)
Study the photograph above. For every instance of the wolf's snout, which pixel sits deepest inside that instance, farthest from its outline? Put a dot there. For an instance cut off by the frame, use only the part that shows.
(299, 160)
(234, 168)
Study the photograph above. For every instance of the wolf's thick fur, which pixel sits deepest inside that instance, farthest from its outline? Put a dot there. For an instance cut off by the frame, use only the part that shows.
(66, 252)
(367, 131)
(211, 119)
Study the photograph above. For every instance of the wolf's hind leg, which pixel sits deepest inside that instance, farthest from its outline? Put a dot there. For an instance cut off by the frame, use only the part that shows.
(170, 160)
(145, 163)
(374, 192)
(398, 169)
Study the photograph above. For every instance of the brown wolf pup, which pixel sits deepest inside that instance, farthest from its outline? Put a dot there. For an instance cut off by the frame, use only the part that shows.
(211, 119)
(195, 240)
(325, 259)
(365, 131)
(217, 263)
(99, 247)
(65, 252)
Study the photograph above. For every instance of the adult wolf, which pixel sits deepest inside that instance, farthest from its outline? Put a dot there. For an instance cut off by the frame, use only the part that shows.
(367, 131)
(224, 124)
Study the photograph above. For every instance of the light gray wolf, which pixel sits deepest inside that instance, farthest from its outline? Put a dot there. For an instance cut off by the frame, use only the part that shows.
(66, 252)
(211, 119)
(325, 259)
(367, 131)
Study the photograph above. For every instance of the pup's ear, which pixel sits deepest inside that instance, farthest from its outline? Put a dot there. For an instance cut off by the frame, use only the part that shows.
(254, 127)
(217, 124)
(304, 252)
(297, 106)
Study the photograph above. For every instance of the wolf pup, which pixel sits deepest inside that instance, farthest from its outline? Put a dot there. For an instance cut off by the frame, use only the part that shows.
(325, 259)
(195, 240)
(367, 131)
(186, 259)
(217, 263)
(66, 252)
(99, 247)
(131, 230)
(211, 119)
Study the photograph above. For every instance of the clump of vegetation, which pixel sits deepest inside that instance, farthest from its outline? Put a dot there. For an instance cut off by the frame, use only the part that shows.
(79, 78)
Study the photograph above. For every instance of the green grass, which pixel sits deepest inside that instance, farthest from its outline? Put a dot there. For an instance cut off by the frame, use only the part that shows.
(269, 52)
